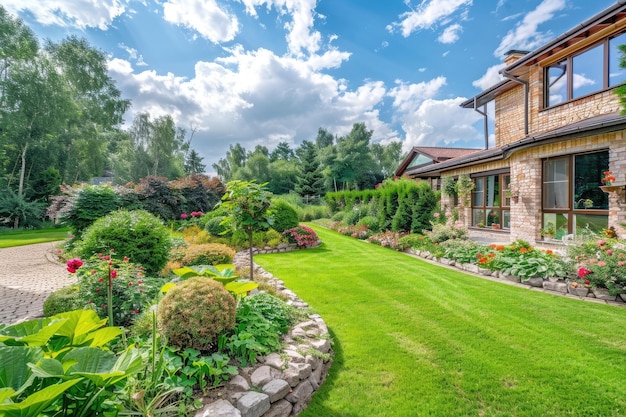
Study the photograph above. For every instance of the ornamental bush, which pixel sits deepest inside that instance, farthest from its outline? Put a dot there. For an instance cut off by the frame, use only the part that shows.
(89, 204)
(137, 234)
(272, 308)
(61, 300)
(284, 216)
(208, 254)
(195, 312)
(301, 235)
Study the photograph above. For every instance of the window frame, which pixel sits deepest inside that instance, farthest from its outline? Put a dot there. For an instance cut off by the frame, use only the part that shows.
(571, 211)
(569, 63)
(504, 201)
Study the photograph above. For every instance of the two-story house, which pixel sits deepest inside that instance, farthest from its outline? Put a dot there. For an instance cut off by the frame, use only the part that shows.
(558, 129)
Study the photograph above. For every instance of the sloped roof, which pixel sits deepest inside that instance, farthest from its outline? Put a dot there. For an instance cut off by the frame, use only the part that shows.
(435, 153)
(593, 126)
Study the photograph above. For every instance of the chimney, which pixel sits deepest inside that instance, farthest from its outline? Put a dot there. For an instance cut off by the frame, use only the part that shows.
(512, 56)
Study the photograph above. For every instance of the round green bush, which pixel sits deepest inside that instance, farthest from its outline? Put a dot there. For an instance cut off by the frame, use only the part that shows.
(338, 217)
(370, 222)
(91, 203)
(215, 227)
(284, 216)
(195, 312)
(136, 234)
(61, 300)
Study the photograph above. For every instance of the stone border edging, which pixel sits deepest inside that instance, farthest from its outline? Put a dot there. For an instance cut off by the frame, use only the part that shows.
(551, 286)
(280, 384)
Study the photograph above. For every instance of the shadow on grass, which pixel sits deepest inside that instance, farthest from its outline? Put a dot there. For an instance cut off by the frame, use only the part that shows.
(318, 406)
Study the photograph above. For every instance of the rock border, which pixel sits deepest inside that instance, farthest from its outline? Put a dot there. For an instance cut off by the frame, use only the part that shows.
(280, 384)
(553, 286)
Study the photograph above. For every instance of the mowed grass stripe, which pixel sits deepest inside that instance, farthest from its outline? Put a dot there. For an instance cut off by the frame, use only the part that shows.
(413, 339)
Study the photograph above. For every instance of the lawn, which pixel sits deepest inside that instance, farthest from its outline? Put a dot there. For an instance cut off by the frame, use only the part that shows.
(417, 339)
(28, 237)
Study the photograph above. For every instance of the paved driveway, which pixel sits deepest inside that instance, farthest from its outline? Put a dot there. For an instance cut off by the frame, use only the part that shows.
(28, 274)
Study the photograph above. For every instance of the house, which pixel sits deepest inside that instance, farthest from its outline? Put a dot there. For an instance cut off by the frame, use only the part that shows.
(558, 129)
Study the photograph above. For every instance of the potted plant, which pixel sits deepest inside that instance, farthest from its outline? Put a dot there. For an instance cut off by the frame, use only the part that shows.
(548, 231)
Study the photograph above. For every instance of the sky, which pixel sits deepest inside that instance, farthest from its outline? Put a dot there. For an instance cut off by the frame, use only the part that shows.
(261, 72)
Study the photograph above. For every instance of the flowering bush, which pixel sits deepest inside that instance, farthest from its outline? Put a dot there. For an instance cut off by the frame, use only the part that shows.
(450, 230)
(302, 236)
(388, 240)
(130, 290)
(603, 264)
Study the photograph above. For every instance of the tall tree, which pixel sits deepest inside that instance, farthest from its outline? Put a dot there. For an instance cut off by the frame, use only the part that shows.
(386, 157)
(193, 163)
(282, 152)
(354, 158)
(236, 157)
(310, 181)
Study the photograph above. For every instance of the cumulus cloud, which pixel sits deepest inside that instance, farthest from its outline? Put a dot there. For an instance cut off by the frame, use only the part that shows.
(429, 14)
(203, 16)
(526, 35)
(490, 78)
(81, 14)
(450, 34)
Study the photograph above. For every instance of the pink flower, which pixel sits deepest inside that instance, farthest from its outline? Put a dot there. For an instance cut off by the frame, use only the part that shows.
(113, 273)
(609, 252)
(73, 265)
(601, 263)
(183, 216)
(583, 272)
(436, 215)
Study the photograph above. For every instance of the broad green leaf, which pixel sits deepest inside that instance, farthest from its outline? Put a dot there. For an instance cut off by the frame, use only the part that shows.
(14, 370)
(33, 332)
(239, 288)
(90, 360)
(5, 394)
(79, 323)
(165, 288)
(35, 403)
(48, 368)
(103, 336)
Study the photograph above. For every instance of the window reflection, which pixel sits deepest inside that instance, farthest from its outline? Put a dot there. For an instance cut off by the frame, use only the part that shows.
(617, 75)
(587, 68)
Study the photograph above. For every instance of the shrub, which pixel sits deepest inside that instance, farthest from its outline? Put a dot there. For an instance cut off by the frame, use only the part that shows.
(132, 291)
(273, 238)
(415, 241)
(208, 254)
(442, 232)
(310, 213)
(195, 312)
(353, 216)
(338, 217)
(61, 300)
(195, 235)
(285, 217)
(272, 308)
(215, 227)
(302, 236)
(388, 239)
(369, 222)
(136, 234)
(89, 204)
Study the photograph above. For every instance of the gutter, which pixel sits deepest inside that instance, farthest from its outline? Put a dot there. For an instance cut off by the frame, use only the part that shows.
(525, 84)
(485, 121)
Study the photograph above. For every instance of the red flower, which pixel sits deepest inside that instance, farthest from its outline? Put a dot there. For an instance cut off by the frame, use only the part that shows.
(113, 273)
(73, 265)
(583, 272)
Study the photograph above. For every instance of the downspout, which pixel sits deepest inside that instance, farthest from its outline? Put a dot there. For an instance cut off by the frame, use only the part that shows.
(525, 84)
(485, 122)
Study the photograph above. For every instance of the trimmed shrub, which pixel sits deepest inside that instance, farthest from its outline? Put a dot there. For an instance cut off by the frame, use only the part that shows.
(215, 227)
(195, 312)
(90, 203)
(208, 254)
(285, 217)
(137, 235)
(369, 222)
(338, 217)
(61, 300)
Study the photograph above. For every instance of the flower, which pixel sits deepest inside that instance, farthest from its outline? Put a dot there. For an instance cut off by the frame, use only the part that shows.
(183, 216)
(583, 272)
(73, 265)
(607, 178)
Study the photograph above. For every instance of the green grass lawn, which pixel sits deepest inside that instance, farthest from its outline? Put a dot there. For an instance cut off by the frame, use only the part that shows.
(416, 339)
(28, 237)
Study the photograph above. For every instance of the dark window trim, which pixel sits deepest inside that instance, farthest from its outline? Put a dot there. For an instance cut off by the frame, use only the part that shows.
(501, 173)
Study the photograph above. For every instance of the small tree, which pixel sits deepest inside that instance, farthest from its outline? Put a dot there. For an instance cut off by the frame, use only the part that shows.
(248, 204)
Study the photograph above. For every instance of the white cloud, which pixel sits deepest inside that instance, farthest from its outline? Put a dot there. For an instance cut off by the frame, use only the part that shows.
(430, 125)
(526, 35)
(490, 78)
(81, 14)
(203, 16)
(408, 97)
(428, 14)
(133, 54)
(450, 34)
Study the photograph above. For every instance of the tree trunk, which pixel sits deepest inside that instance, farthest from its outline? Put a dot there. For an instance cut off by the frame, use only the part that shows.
(250, 247)
(20, 190)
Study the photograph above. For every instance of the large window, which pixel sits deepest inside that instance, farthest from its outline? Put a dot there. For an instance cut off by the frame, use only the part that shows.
(595, 69)
(490, 205)
(572, 198)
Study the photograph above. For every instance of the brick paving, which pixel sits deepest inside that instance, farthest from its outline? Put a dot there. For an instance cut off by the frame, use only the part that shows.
(28, 274)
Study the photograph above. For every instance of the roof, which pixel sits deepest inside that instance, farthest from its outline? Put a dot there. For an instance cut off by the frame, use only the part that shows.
(593, 126)
(607, 19)
(437, 154)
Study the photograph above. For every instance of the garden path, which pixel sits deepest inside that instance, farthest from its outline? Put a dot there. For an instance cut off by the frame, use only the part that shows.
(28, 274)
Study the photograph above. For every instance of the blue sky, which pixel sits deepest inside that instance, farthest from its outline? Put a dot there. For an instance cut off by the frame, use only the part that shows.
(270, 71)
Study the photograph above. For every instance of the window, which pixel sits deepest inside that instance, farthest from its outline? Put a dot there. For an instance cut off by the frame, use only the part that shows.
(572, 198)
(595, 69)
(490, 206)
